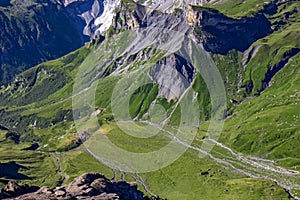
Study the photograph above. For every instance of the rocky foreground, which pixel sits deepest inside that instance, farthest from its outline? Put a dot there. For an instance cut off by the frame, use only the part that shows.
(88, 186)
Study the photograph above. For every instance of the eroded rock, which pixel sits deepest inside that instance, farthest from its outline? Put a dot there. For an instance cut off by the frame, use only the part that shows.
(88, 186)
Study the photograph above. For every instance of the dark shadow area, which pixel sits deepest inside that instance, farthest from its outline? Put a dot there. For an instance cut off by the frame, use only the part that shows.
(12, 190)
(220, 33)
(33, 147)
(11, 171)
(4, 181)
(49, 28)
(5, 3)
(13, 136)
(2, 128)
(275, 69)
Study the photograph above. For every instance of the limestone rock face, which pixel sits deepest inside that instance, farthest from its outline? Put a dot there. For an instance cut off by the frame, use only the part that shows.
(94, 16)
(173, 75)
(219, 33)
(88, 186)
(98, 14)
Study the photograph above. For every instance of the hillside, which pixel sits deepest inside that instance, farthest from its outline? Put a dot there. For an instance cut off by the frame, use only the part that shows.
(66, 117)
(33, 32)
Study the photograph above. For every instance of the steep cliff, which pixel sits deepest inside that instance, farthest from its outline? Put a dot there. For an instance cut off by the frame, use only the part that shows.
(220, 34)
(93, 16)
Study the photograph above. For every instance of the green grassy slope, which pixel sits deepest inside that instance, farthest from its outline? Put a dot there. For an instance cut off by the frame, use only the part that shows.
(268, 125)
(238, 8)
(37, 107)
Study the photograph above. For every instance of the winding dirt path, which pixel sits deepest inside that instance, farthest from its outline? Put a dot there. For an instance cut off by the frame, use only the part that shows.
(58, 171)
(250, 166)
(140, 180)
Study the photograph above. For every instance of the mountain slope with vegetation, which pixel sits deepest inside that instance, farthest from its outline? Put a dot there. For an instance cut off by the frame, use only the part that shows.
(34, 32)
(257, 156)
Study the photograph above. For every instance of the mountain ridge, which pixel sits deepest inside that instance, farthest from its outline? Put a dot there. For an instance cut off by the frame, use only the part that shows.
(260, 130)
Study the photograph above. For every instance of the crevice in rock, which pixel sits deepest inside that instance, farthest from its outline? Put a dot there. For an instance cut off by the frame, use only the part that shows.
(275, 69)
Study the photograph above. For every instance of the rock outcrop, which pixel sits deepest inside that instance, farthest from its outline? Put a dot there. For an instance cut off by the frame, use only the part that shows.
(220, 33)
(132, 16)
(93, 16)
(217, 32)
(98, 14)
(88, 186)
(13, 189)
(173, 75)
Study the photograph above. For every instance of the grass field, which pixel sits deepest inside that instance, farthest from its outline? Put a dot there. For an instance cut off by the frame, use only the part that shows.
(262, 122)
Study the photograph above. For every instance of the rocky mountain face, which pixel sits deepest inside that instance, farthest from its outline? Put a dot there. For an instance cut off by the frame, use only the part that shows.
(94, 16)
(174, 75)
(52, 28)
(98, 14)
(36, 105)
(33, 32)
(220, 34)
(36, 31)
(88, 186)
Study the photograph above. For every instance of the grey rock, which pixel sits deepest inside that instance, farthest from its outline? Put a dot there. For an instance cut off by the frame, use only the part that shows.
(88, 186)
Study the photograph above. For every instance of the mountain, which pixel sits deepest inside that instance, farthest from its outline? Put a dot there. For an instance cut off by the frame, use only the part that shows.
(96, 14)
(33, 32)
(41, 30)
(255, 46)
(51, 29)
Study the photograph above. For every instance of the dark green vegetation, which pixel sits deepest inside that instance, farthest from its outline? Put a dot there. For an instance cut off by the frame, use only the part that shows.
(262, 86)
(33, 32)
(266, 124)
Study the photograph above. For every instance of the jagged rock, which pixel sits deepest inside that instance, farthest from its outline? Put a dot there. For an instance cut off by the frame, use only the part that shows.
(95, 16)
(133, 16)
(60, 193)
(12, 190)
(220, 33)
(174, 75)
(88, 186)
